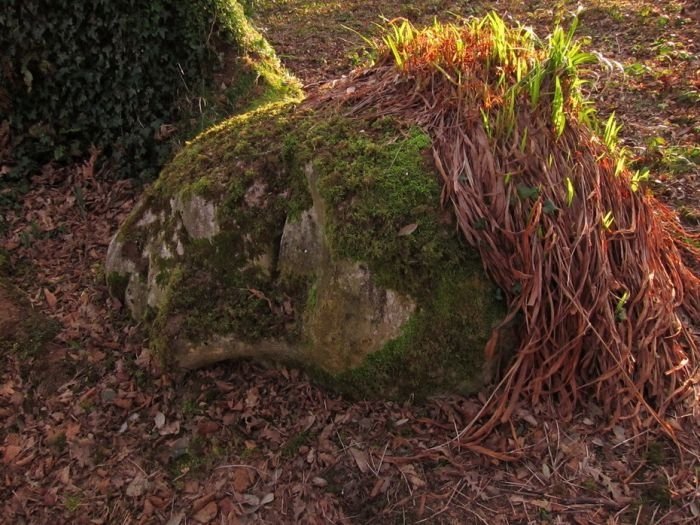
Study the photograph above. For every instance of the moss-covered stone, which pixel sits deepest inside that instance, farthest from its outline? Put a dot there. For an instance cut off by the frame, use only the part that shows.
(117, 283)
(383, 208)
(330, 250)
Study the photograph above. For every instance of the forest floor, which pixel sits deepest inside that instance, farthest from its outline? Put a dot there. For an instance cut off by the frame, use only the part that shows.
(92, 431)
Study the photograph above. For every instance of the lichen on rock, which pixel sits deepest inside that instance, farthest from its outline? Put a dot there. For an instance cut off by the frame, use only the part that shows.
(310, 238)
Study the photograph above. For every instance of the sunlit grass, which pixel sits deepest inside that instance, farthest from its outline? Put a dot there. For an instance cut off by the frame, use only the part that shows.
(499, 64)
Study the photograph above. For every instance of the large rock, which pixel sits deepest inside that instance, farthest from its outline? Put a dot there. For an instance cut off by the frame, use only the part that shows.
(312, 239)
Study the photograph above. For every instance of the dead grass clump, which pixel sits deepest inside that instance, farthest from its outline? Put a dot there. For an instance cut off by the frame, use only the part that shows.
(593, 264)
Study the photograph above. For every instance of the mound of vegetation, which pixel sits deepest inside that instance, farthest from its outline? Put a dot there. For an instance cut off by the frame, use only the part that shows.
(114, 74)
(597, 270)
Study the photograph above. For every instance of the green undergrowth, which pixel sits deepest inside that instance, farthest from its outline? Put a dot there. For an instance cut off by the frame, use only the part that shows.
(157, 74)
(245, 83)
(117, 283)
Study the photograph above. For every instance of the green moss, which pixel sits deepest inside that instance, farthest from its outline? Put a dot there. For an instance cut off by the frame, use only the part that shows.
(312, 299)
(377, 181)
(58, 441)
(261, 82)
(434, 353)
(218, 295)
(198, 458)
(235, 152)
(656, 454)
(251, 73)
(383, 208)
(228, 284)
(35, 332)
(129, 232)
(117, 283)
(202, 187)
(657, 493)
(590, 484)
(72, 502)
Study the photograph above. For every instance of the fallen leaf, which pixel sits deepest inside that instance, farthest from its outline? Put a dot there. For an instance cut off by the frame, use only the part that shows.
(251, 500)
(226, 506)
(224, 387)
(252, 398)
(408, 229)
(147, 509)
(241, 479)
(319, 482)
(81, 451)
(546, 472)
(64, 475)
(361, 459)
(620, 435)
(6, 389)
(107, 395)
(10, 453)
(380, 486)
(206, 513)
(159, 420)
(412, 476)
(527, 417)
(192, 486)
(171, 428)
(137, 486)
(96, 356)
(72, 431)
(50, 298)
(309, 422)
(311, 456)
(207, 427)
(202, 501)
(271, 434)
(176, 519)
(124, 403)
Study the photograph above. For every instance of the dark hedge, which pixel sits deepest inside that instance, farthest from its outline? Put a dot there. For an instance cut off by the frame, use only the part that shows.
(106, 72)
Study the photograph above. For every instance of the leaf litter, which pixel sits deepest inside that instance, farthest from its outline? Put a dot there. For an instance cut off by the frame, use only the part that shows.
(64, 459)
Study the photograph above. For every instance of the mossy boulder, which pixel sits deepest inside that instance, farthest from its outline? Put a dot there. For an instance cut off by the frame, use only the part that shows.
(311, 238)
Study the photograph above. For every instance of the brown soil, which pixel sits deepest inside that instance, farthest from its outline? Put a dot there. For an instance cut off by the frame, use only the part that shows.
(10, 314)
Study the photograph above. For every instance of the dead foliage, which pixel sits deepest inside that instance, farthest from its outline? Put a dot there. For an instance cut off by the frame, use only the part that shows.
(596, 270)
